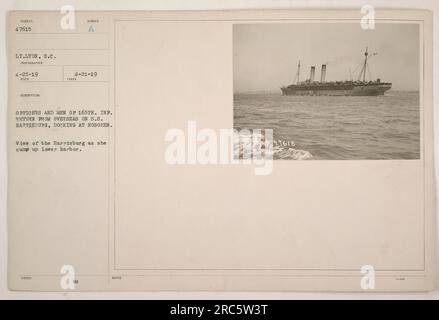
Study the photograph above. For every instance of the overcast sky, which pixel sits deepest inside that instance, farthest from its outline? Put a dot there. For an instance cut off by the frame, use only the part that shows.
(266, 55)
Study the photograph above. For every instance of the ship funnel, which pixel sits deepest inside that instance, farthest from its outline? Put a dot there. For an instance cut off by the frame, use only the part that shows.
(313, 72)
(323, 75)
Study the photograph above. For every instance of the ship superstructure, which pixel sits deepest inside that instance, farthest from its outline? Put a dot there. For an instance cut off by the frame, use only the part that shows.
(359, 87)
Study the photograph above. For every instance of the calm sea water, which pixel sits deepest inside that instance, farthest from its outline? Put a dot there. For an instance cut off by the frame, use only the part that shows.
(383, 127)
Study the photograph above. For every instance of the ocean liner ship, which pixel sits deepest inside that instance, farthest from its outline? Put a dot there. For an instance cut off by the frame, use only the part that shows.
(360, 87)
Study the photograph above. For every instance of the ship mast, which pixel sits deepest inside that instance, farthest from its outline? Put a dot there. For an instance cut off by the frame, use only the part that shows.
(365, 65)
(364, 69)
(298, 73)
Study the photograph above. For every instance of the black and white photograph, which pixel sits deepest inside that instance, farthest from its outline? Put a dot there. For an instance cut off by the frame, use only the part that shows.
(330, 91)
(202, 154)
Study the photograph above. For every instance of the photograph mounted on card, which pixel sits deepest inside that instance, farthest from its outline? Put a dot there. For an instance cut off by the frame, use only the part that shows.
(272, 150)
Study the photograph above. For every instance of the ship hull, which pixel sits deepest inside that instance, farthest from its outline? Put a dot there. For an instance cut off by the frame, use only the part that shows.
(354, 90)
